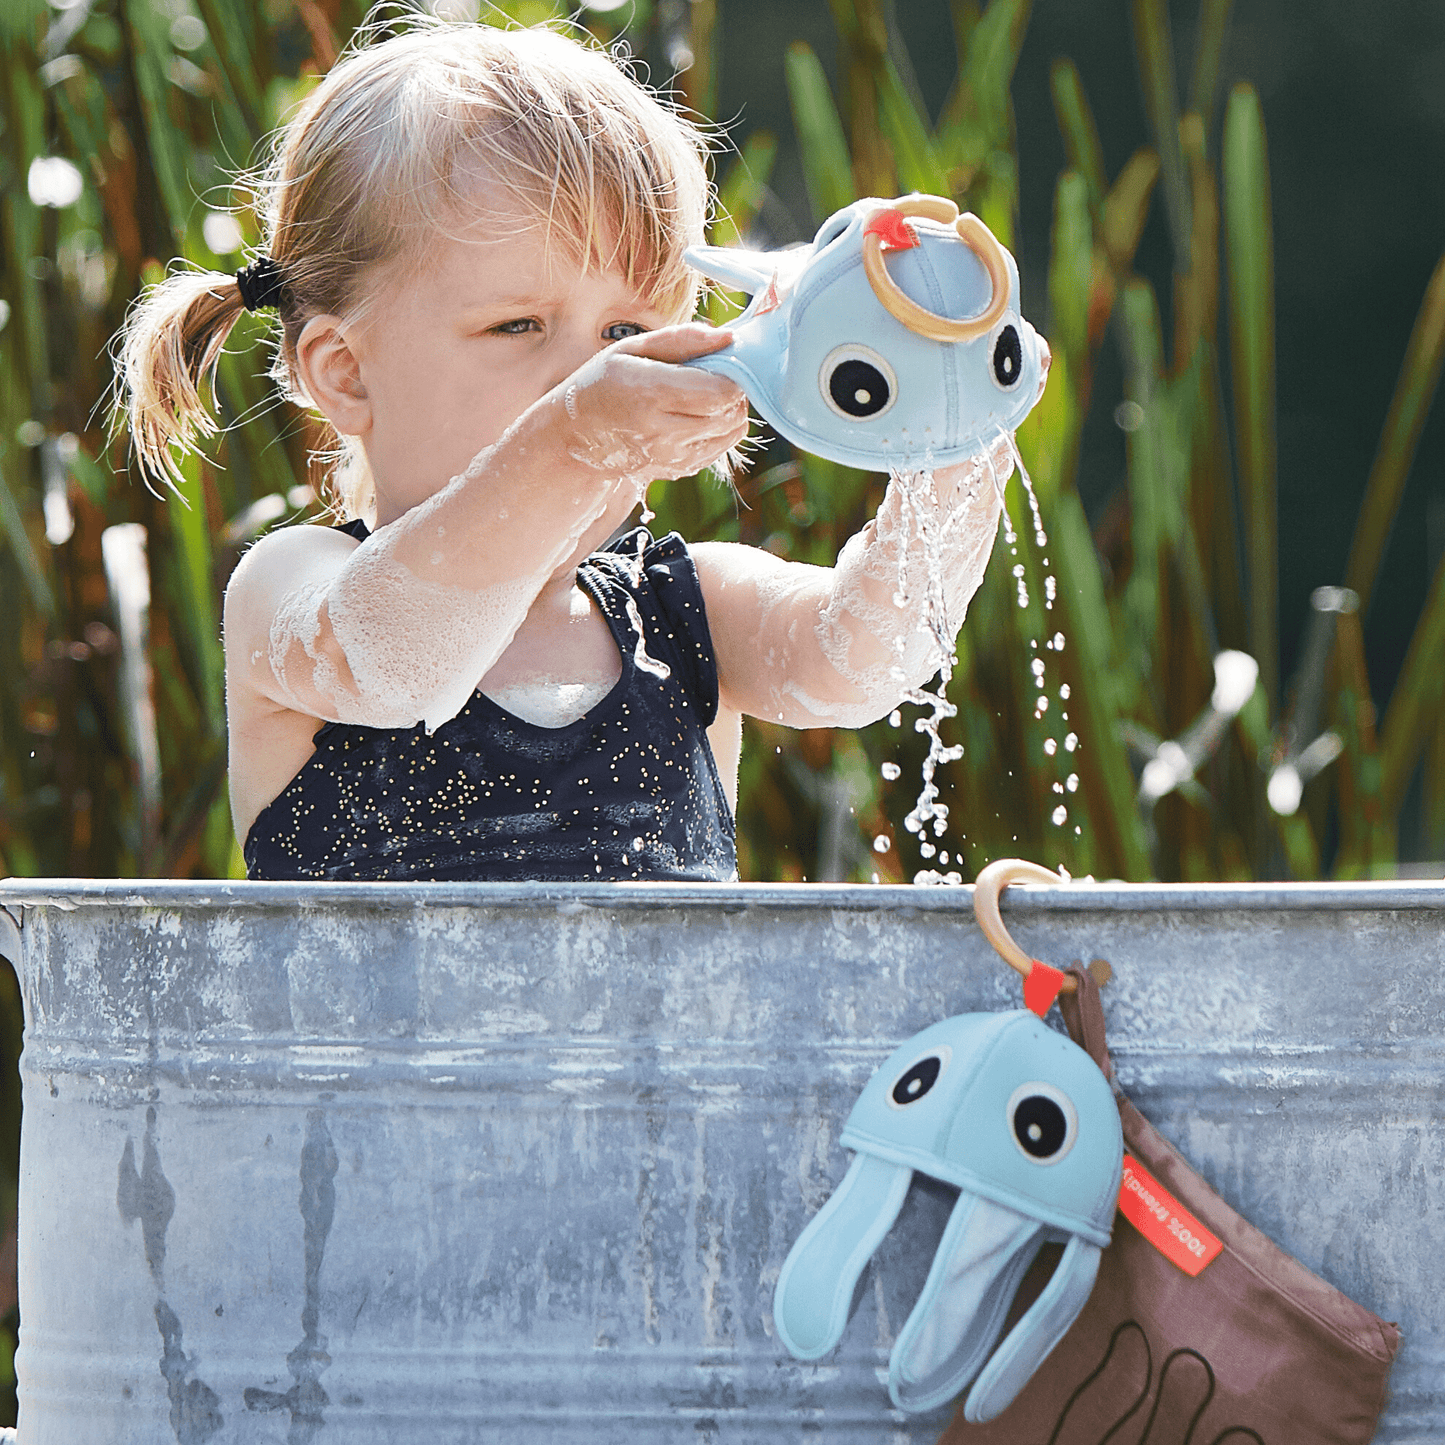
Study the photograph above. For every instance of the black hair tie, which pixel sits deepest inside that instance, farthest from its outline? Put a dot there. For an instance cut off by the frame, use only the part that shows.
(260, 284)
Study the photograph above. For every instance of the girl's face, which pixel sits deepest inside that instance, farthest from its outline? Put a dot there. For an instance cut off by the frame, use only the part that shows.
(452, 352)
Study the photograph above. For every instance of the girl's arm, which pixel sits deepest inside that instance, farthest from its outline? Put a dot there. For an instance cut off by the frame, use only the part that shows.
(401, 628)
(839, 646)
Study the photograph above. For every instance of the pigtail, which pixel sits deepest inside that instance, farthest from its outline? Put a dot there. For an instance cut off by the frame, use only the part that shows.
(172, 341)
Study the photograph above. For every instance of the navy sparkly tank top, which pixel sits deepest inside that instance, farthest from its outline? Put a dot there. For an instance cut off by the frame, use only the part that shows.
(628, 791)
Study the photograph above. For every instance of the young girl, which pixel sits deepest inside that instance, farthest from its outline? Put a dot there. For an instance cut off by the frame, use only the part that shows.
(474, 239)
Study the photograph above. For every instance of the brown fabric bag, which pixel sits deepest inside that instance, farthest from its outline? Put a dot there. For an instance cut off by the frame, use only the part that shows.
(1254, 1348)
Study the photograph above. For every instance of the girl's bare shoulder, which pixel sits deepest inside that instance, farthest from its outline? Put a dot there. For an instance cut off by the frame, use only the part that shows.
(276, 566)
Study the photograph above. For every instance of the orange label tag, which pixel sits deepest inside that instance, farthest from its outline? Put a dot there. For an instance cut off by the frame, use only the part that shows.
(1164, 1221)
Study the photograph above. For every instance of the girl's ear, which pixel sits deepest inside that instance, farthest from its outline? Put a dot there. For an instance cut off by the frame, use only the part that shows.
(330, 374)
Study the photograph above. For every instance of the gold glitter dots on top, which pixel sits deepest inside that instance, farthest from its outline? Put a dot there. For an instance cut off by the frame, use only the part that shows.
(627, 791)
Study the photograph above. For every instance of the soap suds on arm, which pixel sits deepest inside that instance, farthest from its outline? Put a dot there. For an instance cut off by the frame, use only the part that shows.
(842, 646)
(401, 628)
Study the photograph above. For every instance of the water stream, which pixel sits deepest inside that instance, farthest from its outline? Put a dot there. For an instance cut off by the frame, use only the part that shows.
(922, 512)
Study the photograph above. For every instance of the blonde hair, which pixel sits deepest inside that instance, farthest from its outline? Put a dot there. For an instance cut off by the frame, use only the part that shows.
(379, 158)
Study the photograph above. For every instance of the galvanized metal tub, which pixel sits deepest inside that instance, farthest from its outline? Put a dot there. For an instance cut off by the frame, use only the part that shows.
(432, 1164)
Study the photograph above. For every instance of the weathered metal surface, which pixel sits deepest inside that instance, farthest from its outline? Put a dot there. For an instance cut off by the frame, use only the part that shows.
(436, 1164)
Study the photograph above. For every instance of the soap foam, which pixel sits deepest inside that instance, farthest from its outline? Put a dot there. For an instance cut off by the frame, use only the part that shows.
(418, 648)
(551, 702)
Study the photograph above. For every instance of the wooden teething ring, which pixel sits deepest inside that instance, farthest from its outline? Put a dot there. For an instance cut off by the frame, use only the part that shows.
(986, 890)
(976, 236)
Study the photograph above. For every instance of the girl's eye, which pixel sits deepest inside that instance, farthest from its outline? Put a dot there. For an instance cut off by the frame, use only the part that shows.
(621, 330)
(519, 327)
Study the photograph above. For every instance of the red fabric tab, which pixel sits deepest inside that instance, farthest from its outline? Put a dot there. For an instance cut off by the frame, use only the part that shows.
(1164, 1221)
(890, 228)
(1042, 987)
(771, 300)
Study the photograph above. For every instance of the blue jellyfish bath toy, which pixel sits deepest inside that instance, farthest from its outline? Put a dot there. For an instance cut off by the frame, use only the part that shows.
(894, 341)
(1022, 1121)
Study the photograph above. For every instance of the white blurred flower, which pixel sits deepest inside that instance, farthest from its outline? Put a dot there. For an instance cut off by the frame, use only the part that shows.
(222, 232)
(1285, 790)
(1169, 767)
(1235, 677)
(54, 181)
(188, 31)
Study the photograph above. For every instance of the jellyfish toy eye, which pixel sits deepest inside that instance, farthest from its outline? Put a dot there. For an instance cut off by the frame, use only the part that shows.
(857, 383)
(919, 1078)
(1007, 358)
(1042, 1122)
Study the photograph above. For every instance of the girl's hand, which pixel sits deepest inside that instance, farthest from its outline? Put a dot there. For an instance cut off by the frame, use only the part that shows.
(632, 412)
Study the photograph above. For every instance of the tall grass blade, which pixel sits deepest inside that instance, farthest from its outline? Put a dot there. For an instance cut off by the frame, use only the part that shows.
(1250, 250)
(827, 164)
(1409, 407)
(198, 614)
(919, 166)
(1155, 52)
(1367, 846)
(1208, 52)
(148, 33)
(993, 54)
(1417, 702)
(228, 26)
(1126, 208)
(1080, 133)
(23, 551)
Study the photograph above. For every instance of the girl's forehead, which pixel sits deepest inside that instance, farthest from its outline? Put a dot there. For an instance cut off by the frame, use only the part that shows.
(509, 260)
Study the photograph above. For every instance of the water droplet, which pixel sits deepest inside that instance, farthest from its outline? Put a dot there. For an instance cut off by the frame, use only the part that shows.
(891, 771)
(1050, 747)
(1072, 782)
(1071, 742)
(927, 849)
(1058, 787)
(895, 719)
(943, 857)
(875, 877)
(1060, 816)
(1078, 831)
(1064, 692)
(1041, 706)
(1019, 570)
(1058, 642)
(1038, 666)
(882, 843)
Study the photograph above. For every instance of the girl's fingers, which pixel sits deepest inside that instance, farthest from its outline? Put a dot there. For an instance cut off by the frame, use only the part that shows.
(676, 343)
